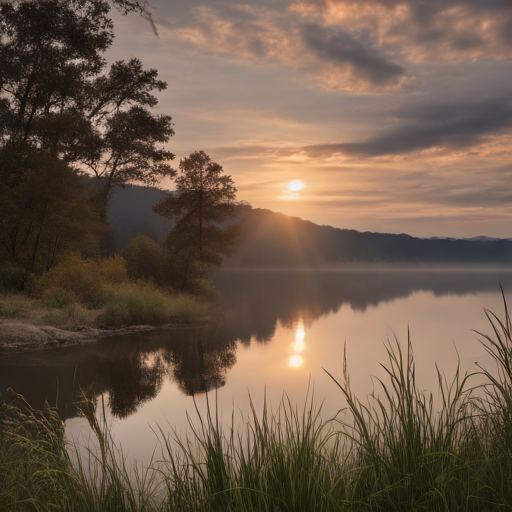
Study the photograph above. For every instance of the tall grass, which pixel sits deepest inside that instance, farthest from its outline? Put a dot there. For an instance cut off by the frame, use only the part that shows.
(494, 411)
(39, 471)
(396, 451)
(285, 460)
(410, 454)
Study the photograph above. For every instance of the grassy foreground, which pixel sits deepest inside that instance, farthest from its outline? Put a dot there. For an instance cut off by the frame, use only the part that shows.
(393, 453)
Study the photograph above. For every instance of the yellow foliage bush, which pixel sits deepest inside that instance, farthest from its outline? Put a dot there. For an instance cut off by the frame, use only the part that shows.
(141, 302)
(84, 278)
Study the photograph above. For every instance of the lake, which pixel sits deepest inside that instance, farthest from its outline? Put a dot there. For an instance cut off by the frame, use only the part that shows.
(281, 330)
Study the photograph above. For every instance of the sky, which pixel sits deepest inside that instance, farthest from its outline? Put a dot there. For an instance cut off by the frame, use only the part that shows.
(395, 116)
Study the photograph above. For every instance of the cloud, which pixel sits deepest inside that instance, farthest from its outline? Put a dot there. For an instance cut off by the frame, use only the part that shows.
(446, 126)
(339, 58)
(240, 31)
(432, 130)
(424, 31)
(362, 46)
(337, 46)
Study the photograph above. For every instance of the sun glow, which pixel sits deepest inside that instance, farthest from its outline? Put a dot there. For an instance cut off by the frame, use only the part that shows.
(295, 186)
(295, 361)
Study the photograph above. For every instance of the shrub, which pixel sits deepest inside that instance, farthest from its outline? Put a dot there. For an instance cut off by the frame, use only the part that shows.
(142, 303)
(84, 278)
(204, 287)
(12, 277)
(186, 309)
(79, 317)
(58, 298)
(144, 259)
(15, 305)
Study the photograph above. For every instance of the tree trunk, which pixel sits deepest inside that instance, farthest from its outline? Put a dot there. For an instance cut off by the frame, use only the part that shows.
(201, 222)
(100, 201)
(36, 243)
(185, 276)
(54, 252)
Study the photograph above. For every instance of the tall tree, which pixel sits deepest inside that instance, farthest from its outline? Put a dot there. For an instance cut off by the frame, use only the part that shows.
(43, 211)
(57, 95)
(203, 200)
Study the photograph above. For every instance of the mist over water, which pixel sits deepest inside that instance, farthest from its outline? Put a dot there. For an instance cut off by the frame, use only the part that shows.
(281, 329)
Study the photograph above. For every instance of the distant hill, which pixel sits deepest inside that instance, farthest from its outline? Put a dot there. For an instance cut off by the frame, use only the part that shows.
(473, 239)
(274, 240)
(130, 213)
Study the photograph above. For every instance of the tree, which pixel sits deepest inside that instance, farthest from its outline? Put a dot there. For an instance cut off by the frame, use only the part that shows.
(57, 96)
(203, 200)
(43, 211)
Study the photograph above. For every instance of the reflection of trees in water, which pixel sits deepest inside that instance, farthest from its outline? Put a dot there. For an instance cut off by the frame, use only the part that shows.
(201, 362)
(196, 359)
(130, 369)
(255, 301)
(131, 379)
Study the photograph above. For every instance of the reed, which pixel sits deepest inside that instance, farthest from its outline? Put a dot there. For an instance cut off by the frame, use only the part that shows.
(396, 451)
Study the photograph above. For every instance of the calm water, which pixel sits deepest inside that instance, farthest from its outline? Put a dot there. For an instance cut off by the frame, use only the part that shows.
(281, 329)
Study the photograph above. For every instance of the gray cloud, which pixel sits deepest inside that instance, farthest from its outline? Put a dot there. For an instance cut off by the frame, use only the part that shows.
(340, 47)
(451, 126)
(430, 30)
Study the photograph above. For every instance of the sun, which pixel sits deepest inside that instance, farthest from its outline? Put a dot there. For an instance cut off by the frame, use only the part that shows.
(295, 186)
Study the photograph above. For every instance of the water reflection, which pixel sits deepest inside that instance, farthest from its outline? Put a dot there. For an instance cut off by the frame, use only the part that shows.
(298, 345)
(201, 362)
(130, 370)
(130, 378)
(295, 361)
(258, 300)
(300, 334)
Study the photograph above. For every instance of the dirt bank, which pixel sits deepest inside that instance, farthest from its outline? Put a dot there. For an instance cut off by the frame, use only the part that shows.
(20, 336)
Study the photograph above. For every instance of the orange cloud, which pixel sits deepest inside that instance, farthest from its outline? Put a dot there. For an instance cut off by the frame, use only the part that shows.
(363, 46)
(449, 31)
(339, 59)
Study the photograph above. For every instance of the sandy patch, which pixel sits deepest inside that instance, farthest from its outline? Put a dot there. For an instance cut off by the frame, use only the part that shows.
(22, 336)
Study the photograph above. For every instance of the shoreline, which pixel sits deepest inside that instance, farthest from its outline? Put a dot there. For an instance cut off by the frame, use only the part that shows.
(16, 336)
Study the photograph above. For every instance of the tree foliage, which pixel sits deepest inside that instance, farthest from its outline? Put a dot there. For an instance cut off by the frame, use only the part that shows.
(43, 210)
(123, 6)
(58, 96)
(203, 200)
(49, 51)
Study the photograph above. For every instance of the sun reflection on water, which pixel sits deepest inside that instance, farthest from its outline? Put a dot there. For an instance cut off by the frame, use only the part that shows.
(295, 361)
(300, 333)
(298, 345)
